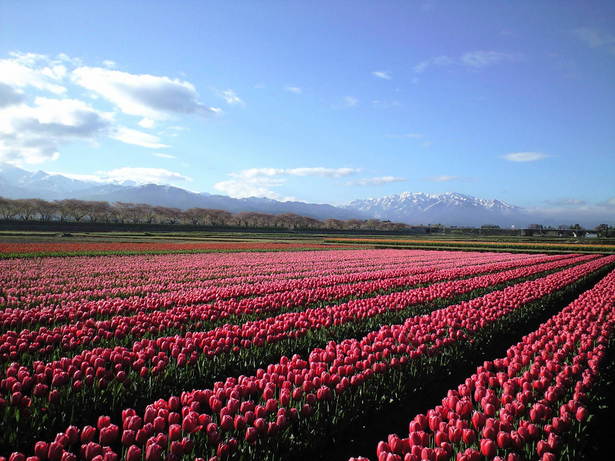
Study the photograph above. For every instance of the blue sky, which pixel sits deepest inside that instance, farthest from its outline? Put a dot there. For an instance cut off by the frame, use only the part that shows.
(317, 101)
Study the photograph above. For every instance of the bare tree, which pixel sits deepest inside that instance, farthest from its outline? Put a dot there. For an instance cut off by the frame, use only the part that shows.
(73, 209)
(168, 215)
(333, 224)
(138, 213)
(128, 212)
(46, 210)
(8, 210)
(26, 208)
(196, 216)
(219, 218)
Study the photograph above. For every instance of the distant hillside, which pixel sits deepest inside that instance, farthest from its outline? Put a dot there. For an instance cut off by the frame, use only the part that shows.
(414, 208)
(447, 209)
(18, 183)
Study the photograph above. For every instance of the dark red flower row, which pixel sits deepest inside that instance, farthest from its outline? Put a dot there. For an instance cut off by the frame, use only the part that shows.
(523, 406)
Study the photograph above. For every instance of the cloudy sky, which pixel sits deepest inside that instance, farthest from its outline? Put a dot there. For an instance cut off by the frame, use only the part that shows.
(323, 103)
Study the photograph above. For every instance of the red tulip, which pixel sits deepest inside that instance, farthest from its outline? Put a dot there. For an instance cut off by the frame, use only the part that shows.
(504, 439)
(41, 449)
(478, 420)
(488, 448)
(92, 449)
(109, 434)
(68, 456)
(87, 434)
(103, 421)
(153, 452)
(175, 432)
(54, 452)
(251, 435)
(581, 414)
(133, 453)
(468, 436)
(128, 437)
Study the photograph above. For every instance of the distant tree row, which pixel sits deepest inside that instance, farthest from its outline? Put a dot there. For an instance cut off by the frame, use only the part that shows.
(72, 210)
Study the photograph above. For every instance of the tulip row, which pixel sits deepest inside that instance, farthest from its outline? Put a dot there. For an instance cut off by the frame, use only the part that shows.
(476, 244)
(25, 284)
(240, 415)
(187, 293)
(531, 404)
(204, 265)
(187, 316)
(87, 248)
(28, 283)
(111, 377)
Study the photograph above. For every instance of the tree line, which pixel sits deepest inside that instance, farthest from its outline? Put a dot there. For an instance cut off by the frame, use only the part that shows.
(87, 211)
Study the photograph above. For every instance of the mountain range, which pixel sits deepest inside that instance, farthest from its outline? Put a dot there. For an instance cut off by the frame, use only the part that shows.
(408, 207)
(18, 183)
(449, 209)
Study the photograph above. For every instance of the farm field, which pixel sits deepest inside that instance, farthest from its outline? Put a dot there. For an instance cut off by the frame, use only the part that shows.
(9, 250)
(508, 244)
(387, 354)
(28, 244)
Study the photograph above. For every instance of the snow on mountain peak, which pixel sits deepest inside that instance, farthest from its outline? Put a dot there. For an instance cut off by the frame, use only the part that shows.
(448, 208)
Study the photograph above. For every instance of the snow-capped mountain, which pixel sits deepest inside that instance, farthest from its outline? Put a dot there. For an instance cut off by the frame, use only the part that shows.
(448, 209)
(15, 182)
(451, 209)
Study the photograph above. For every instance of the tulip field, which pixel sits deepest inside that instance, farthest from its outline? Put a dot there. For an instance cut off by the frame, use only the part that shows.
(370, 354)
(33, 249)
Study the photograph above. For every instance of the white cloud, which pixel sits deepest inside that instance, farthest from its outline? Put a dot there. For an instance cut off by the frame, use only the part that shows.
(9, 96)
(310, 171)
(383, 74)
(443, 178)
(78, 176)
(566, 202)
(31, 134)
(380, 104)
(320, 171)
(172, 131)
(147, 123)
(19, 72)
(472, 59)
(143, 95)
(254, 187)
(130, 175)
(293, 89)
(34, 126)
(437, 61)
(478, 59)
(595, 38)
(524, 156)
(376, 181)
(259, 182)
(231, 97)
(161, 155)
(136, 137)
(72, 61)
(351, 101)
(143, 176)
